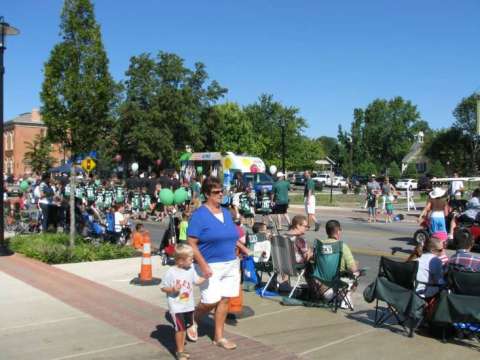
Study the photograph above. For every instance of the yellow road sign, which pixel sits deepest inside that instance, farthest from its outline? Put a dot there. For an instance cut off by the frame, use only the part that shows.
(88, 164)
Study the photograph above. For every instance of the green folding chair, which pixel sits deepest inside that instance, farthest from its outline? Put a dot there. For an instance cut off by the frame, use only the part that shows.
(327, 270)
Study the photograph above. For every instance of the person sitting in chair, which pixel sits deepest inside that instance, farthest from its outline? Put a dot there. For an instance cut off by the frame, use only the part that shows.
(463, 259)
(347, 262)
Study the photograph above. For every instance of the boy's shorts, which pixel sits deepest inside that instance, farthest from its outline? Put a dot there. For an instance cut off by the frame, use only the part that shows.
(182, 321)
(224, 282)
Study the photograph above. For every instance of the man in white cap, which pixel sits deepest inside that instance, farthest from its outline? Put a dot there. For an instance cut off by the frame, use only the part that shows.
(280, 198)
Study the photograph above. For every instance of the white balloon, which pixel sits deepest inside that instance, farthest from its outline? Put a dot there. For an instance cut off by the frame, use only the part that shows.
(134, 167)
(273, 169)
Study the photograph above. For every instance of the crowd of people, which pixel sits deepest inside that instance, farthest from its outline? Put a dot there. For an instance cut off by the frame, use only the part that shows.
(212, 230)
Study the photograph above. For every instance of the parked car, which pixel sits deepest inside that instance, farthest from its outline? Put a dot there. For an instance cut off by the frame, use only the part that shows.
(259, 181)
(404, 184)
(299, 179)
(291, 177)
(339, 181)
(323, 179)
(358, 180)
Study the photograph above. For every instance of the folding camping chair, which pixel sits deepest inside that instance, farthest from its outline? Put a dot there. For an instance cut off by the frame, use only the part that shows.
(283, 262)
(460, 305)
(326, 269)
(261, 248)
(396, 285)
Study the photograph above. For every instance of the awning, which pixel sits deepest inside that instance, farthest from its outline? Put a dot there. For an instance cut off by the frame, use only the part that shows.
(206, 156)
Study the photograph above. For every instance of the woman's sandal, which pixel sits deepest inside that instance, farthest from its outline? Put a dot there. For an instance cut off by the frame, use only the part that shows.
(183, 355)
(224, 343)
(192, 332)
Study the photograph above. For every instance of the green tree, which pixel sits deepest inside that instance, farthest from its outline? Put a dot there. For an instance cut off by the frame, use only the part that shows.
(166, 107)
(437, 169)
(466, 122)
(411, 171)
(227, 128)
(267, 118)
(38, 154)
(449, 147)
(394, 170)
(382, 132)
(366, 168)
(77, 92)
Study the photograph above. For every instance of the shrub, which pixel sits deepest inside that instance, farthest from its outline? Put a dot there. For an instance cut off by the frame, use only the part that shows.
(53, 249)
(345, 190)
(318, 186)
(356, 190)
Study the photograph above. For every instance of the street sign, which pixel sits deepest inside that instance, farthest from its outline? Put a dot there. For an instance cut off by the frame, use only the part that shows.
(88, 164)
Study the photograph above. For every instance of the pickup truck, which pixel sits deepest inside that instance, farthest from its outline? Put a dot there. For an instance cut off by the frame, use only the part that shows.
(326, 180)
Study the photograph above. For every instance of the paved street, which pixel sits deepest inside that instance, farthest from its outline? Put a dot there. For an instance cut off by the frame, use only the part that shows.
(91, 311)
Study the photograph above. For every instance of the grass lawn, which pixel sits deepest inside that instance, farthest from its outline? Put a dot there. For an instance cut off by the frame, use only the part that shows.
(345, 200)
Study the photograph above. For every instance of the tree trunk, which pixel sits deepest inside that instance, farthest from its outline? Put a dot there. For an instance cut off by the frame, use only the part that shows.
(72, 206)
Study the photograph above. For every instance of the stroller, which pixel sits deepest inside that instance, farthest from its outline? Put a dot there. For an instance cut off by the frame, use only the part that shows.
(167, 245)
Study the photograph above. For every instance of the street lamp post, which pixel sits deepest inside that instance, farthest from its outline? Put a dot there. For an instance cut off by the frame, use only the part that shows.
(5, 29)
(282, 125)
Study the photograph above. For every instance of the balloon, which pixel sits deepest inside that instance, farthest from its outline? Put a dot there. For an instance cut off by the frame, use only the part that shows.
(199, 169)
(180, 196)
(134, 167)
(118, 158)
(254, 168)
(158, 162)
(273, 169)
(166, 196)
(228, 163)
(24, 185)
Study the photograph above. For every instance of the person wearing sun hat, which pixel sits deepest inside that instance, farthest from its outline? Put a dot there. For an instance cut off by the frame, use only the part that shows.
(436, 210)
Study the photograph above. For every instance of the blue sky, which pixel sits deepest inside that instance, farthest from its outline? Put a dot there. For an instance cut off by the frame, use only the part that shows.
(324, 57)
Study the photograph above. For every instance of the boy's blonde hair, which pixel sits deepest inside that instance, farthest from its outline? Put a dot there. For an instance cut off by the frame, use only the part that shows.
(183, 251)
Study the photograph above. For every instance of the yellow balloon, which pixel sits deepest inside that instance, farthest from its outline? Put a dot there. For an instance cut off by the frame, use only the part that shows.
(247, 162)
(227, 163)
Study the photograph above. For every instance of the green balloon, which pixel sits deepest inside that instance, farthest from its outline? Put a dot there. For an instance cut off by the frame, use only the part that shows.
(166, 196)
(199, 169)
(24, 185)
(180, 196)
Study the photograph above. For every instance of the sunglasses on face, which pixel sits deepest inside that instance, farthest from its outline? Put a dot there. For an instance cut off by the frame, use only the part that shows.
(216, 192)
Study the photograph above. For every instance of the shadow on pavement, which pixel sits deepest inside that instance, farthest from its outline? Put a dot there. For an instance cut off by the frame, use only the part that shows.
(165, 334)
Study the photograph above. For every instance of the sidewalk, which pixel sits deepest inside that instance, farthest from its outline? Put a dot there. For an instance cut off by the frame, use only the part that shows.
(90, 310)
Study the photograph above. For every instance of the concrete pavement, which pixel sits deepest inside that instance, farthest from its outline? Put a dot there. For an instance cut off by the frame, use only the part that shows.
(91, 311)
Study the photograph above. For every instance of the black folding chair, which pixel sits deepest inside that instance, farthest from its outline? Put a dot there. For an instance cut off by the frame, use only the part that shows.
(396, 285)
(460, 304)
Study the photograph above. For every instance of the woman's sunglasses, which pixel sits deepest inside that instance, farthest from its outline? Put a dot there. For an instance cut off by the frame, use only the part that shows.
(216, 192)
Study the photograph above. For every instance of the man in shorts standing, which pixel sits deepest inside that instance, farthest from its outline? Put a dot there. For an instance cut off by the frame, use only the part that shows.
(309, 200)
(280, 193)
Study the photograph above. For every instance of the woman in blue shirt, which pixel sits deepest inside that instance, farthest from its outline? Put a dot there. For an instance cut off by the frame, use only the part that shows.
(213, 236)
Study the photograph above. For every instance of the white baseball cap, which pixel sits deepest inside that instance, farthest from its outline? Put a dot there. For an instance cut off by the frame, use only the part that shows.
(280, 174)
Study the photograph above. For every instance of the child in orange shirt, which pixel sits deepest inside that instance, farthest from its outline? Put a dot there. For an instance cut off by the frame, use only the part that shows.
(138, 236)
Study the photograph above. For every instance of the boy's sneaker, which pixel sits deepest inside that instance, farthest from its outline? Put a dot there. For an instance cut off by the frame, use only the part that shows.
(317, 226)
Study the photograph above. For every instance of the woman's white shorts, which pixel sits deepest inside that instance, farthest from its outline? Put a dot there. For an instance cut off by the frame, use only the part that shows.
(224, 282)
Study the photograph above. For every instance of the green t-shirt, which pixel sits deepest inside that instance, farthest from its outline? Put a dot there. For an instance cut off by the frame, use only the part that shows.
(347, 261)
(309, 185)
(280, 190)
(183, 230)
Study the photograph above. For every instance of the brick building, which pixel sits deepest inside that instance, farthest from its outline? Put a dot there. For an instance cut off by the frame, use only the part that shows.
(17, 132)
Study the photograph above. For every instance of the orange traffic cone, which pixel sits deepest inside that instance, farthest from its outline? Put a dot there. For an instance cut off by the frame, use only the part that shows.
(145, 277)
(146, 268)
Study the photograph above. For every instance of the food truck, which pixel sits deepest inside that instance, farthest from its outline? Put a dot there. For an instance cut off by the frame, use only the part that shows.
(223, 165)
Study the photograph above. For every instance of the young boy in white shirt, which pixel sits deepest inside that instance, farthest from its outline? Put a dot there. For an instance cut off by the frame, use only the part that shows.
(178, 285)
